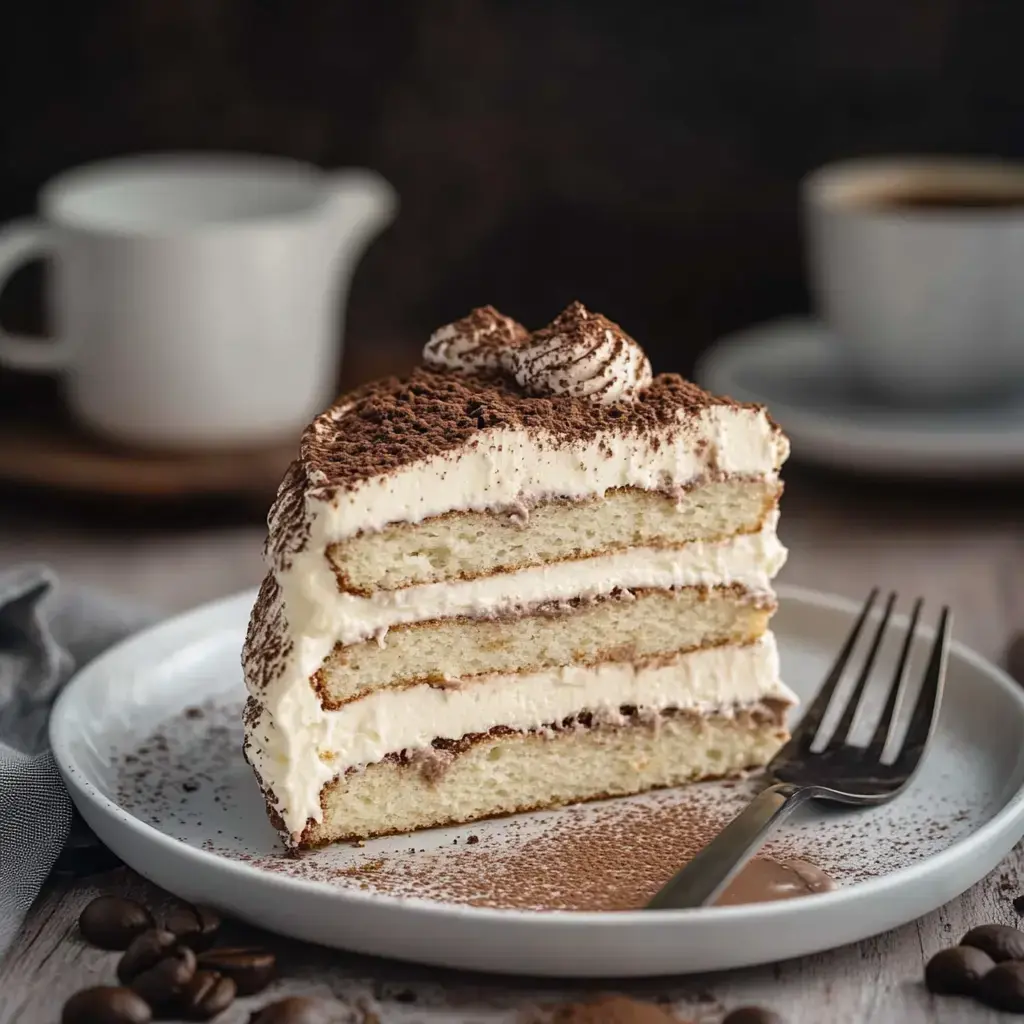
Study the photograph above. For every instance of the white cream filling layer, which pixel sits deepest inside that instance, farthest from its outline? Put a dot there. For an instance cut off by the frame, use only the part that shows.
(299, 747)
(503, 467)
(319, 615)
(315, 616)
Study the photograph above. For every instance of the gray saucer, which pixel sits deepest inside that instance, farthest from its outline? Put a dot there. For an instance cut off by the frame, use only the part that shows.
(791, 366)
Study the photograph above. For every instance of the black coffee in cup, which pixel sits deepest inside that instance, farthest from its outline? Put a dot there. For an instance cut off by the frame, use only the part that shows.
(939, 198)
(917, 268)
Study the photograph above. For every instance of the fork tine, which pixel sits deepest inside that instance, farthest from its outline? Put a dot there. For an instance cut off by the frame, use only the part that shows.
(898, 685)
(842, 731)
(923, 718)
(807, 729)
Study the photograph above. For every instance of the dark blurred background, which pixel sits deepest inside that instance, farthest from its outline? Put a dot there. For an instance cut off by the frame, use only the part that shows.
(643, 157)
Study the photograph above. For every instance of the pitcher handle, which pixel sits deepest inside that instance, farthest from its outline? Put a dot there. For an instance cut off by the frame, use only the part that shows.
(20, 242)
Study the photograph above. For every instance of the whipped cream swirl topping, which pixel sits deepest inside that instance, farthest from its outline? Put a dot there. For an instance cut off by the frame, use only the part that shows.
(584, 355)
(580, 354)
(478, 343)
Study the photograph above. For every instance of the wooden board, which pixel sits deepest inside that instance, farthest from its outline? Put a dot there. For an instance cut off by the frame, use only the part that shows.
(40, 446)
(66, 460)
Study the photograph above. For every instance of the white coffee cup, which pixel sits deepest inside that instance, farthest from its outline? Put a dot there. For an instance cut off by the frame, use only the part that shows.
(196, 300)
(917, 267)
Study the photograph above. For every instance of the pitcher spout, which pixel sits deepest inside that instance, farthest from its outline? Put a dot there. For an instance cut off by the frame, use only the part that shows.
(362, 204)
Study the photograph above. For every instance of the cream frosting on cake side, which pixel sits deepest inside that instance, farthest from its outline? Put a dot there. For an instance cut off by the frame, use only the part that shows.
(498, 468)
(301, 747)
(501, 419)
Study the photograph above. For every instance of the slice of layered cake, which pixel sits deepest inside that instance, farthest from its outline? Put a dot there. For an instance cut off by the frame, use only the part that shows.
(527, 575)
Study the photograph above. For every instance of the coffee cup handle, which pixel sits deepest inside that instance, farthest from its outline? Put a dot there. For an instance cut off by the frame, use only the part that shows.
(20, 242)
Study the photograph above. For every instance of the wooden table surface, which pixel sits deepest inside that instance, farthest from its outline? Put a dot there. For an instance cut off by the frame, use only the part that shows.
(963, 546)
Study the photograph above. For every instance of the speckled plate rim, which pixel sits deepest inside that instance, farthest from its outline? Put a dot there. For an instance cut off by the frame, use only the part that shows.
(555, 943)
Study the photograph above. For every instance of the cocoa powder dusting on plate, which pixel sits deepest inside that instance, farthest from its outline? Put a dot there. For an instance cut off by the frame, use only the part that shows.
(189, 780)
(612, 858)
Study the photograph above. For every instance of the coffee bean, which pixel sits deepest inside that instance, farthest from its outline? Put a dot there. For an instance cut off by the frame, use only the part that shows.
(1003, 987)
(106, 1004)
(163, 983)
(111, 922)
(957, 971)
(1000, 941)
(252, 970)
(1018, 904)
(146, 951)
(752, 1015)
(297, 1010)
(196, 927)
(206, 995)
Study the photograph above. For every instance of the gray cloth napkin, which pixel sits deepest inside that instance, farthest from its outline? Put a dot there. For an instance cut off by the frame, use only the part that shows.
(46, 633)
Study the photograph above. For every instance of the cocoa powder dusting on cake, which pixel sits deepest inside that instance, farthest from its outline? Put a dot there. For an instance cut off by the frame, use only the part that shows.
(580, 353)
(479, 342)
(267, 646)
(287, 522)
(392, 423)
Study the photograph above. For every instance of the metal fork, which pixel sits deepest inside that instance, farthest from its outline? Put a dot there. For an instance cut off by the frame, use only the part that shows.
(839, 773)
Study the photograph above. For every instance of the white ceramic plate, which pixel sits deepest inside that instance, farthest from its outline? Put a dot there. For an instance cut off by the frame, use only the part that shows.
(793, 367)
(186, 813)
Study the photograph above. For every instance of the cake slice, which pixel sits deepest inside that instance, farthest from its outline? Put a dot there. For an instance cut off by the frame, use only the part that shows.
(530, 574)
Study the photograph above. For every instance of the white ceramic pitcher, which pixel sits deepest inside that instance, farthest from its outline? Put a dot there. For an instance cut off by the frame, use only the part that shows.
(196, 300)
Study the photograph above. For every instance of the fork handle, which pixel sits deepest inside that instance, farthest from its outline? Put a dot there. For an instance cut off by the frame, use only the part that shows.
(702, 880)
